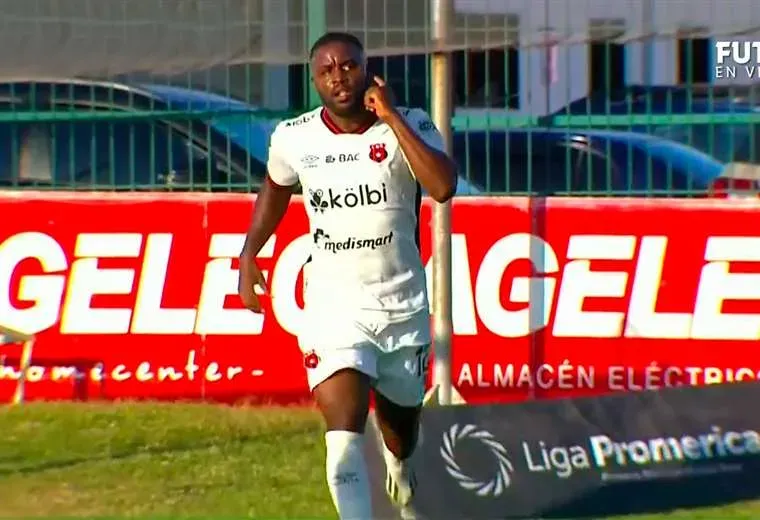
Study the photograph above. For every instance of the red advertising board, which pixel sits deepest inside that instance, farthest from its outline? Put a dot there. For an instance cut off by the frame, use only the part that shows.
(134, 296)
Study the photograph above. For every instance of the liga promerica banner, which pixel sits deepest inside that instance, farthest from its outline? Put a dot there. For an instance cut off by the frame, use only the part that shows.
(639, 452)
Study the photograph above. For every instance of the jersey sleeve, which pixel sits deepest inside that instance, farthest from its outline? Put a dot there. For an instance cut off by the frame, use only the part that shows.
(278, 168)
(423, 126)
(421, 123)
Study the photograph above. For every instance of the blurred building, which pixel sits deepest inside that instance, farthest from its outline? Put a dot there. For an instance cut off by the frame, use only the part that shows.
(602, 44)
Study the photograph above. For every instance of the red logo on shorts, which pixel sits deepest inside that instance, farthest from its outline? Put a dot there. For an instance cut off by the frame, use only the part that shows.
(310, 360)
(377, 152)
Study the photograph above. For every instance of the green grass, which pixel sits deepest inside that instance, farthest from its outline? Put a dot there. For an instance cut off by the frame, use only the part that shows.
(178, 461)
(140, 460)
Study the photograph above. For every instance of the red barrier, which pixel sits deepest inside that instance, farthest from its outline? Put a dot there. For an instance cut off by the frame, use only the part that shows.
(134, 296)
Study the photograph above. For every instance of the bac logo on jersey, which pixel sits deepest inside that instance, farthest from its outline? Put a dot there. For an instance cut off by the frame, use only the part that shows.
(343, 157)
(377, 152)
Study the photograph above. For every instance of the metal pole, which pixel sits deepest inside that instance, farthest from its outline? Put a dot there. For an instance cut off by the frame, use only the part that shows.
(647, 46)
(8, 336)
(275, 38)
(441, 112)
(316, 26)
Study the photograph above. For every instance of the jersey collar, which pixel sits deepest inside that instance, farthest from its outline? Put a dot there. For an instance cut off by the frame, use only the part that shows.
(332, 127)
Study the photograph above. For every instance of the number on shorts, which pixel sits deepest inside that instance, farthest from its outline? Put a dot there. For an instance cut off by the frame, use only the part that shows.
(423, 356)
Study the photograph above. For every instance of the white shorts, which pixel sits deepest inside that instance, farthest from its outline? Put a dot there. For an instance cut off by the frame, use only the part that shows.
(394, 355)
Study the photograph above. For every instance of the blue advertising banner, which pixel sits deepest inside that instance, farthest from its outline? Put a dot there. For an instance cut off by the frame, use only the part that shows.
(573, 458)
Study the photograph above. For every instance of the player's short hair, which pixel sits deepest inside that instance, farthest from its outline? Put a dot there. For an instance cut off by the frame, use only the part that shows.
(332, 37)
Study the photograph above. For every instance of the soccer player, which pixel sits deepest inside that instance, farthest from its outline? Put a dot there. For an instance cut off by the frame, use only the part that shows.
(360, 161)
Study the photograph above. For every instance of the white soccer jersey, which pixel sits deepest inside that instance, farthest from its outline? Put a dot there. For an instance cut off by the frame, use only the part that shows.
(363, 201)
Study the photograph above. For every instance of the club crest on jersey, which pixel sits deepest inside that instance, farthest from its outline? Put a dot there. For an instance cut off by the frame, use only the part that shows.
(377, 152)
(311, 360)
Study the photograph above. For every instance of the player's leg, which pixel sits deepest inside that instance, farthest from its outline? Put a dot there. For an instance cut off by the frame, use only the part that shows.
(342, 392)
(399, 393)
(399, 427)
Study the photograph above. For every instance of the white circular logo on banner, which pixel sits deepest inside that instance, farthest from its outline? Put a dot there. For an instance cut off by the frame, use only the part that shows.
(493, 487)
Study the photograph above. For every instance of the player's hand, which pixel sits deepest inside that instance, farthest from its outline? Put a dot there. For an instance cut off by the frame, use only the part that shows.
(379, 99)
(251, 277)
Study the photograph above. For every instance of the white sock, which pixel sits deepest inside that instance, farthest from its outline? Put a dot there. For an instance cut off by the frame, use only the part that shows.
(347, 475)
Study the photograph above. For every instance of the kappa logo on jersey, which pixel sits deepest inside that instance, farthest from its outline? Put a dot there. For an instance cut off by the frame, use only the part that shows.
(352, 197)
(323, 241)
(377, 152)
(309, 161)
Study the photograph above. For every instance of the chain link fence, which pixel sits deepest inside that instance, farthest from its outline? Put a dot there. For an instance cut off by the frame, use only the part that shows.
(596, 97)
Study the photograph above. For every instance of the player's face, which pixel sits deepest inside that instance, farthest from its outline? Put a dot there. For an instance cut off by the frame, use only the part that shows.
(339, 75)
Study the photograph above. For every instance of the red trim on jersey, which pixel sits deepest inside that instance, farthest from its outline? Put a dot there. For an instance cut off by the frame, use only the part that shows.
(275, 185)
(417, 208)
(334, 128)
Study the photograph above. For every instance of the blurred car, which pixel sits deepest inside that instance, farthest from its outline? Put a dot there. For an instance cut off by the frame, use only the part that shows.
(587, 162)
(78, 134)
(728, 142)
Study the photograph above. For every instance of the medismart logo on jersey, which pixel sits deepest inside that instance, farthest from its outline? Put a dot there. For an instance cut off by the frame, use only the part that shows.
(734, 59)
(323, 241)
(351, 197)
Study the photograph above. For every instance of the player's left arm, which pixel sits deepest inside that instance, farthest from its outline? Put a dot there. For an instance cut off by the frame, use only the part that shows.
(434, 170)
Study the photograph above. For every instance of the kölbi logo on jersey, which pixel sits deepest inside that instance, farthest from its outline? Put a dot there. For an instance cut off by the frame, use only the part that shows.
(730, 54)
(350, 197)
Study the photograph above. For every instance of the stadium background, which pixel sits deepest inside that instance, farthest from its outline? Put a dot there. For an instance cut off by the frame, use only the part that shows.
(616, 42)
(513, 61)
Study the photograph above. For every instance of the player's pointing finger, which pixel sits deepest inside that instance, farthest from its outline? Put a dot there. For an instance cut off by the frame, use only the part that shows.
(261, 282)
(379, 81)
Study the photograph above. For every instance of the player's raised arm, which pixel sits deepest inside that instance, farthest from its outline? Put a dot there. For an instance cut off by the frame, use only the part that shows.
(271, 204)
(434, 170)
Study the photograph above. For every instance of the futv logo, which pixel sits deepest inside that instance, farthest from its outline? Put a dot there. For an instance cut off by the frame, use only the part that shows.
(737, 60)
(350, 197)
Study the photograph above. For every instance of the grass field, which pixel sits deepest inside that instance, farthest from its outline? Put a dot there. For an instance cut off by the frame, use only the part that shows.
(177, 461)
